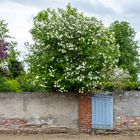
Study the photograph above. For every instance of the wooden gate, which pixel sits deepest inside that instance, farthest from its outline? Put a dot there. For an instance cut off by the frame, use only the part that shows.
(102, 112)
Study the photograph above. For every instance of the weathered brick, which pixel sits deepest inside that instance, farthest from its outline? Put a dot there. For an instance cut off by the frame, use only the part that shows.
(12, 122)
(127, 122)
(85, 112)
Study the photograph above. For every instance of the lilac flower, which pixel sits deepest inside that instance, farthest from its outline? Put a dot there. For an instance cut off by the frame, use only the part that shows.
(3, 49)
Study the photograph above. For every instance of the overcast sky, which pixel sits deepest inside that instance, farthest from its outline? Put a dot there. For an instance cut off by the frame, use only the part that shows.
(19, 13)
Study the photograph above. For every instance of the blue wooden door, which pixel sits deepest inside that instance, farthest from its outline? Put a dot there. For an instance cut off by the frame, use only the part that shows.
(102, 112)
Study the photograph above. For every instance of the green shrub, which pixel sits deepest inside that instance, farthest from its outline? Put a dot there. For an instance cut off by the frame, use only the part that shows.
(9, 85)
(27, 83)
(133, 86)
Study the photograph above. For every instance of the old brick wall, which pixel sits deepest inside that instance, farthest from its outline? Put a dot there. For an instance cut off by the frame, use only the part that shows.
(85, 112)
(38, 110)
(65, 110)
(127, 110)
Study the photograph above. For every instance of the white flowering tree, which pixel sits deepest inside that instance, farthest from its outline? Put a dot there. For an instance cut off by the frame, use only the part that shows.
(72, 52)
(119, 78)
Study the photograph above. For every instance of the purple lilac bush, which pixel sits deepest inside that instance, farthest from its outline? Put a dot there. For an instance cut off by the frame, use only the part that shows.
(3, 49)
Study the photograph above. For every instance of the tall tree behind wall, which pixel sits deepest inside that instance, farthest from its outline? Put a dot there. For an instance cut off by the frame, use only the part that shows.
(129, 56)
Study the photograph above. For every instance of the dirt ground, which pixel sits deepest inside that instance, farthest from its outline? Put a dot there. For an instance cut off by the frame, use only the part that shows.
(65, 137)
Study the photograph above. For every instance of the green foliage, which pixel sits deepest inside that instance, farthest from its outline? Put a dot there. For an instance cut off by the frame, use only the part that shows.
(9, 85)
(11, 65)
(72, 52)
(8, 65)
(129, 57)
(4, 32)
(126, 86)
(15, 67)
(133, 86)
(27, 83)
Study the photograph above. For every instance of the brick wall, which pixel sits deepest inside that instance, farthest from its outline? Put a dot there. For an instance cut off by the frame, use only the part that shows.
(127, 110)
(127, 123)
(65, 110)
(12, 123)
(85, 112)
(46, 110)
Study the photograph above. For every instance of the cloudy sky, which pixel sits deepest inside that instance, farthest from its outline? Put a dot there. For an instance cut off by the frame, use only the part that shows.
(19, 13)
